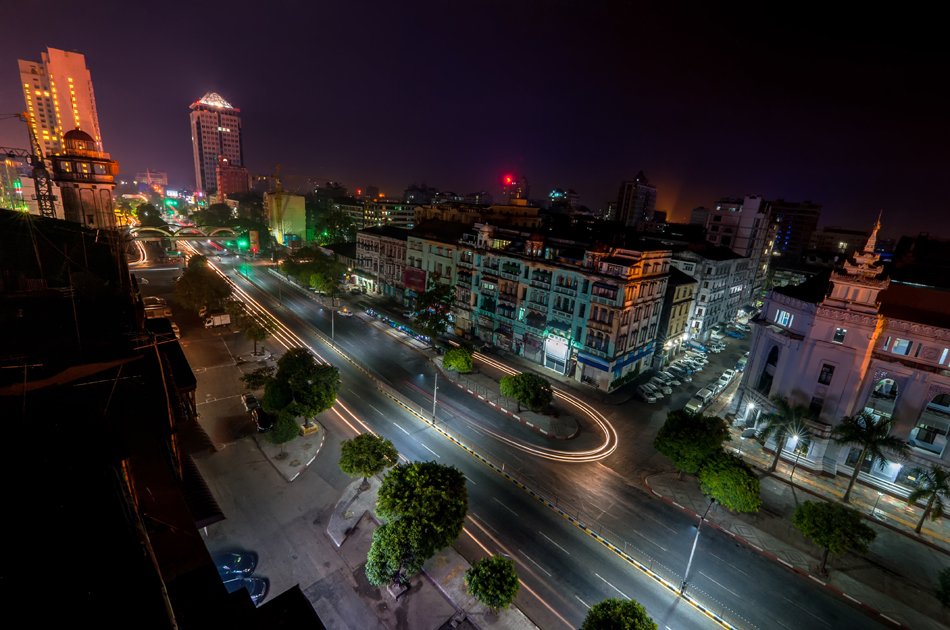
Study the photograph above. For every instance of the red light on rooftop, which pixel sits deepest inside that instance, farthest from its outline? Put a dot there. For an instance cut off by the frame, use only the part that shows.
(508, 179)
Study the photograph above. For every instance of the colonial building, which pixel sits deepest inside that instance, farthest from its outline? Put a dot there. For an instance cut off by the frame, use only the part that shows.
(86, 178)
(674, 316)
(381, 259)
(723, 278)
(858, 343)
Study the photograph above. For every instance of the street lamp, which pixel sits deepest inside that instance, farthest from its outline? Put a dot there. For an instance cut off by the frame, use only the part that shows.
(878, 500)
(435, 396)
(692, 551)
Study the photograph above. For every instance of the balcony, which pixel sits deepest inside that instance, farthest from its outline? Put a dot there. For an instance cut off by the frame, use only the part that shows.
(599, 299)
(565, 289)
(598, 325)
(596, 350)
(465, 263)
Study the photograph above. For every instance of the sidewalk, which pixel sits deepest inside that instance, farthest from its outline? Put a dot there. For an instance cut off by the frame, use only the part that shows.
(894, 580)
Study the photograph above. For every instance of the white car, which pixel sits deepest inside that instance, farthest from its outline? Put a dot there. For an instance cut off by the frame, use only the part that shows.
(729, 374)
(345, 312)
(681, 372)
(653, 389)
(668, 377)
(646, 395)
(660, 385)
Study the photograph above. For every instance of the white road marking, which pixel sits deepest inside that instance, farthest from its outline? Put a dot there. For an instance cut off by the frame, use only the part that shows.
(806, 611)
(586, 605)
(400, 428)
(722, 560)
(554, 543)
(613, 587)
(538, 565)
(722, 586)
(650, 540)
(430, 450)
(470, 480)
(376, 410)
(495, 499)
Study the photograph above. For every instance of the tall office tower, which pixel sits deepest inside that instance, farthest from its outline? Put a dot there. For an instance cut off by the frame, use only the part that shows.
(636, 201)
(59, 98)
(215, 132)
(743, 225)
(794, 224)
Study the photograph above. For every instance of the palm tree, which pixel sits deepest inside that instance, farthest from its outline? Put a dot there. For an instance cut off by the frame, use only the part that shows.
(873, 438)
(786, 420)
(932, 485)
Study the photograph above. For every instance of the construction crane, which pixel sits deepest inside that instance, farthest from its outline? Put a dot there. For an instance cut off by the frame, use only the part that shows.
(42, 181)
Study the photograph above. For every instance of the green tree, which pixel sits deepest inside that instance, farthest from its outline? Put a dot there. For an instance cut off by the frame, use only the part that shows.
(397, 552)
(933, 486)
(688, 440)
(786, 420)
(432, 311)
(302, 387)
(872, 438)
(431, 495)
(458, 359)
(334, 225)
(256, 329)
(215, 215)
(200, 286)
(259, 377)
(729, 480)
(493, 581)
(149, 216)
(833, 527)
(618, 614)
(285, 429)
(528, 389)
(367, 455)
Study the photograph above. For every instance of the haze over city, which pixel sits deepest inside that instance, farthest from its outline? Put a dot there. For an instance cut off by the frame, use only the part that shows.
(708, 103)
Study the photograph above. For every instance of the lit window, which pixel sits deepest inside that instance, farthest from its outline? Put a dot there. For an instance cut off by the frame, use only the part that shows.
(783, 318)
(839, 335)
(943, 355)
(901, 346)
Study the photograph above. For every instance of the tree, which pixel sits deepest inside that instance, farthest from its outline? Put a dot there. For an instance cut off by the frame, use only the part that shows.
(729, 480)
(493, 581)
(689, 439)
(431, 495)
(458, 359)
(199, 286)
(530, 390)
(256, 329)
(873, 438)
(334, 225)
(786, 420)
(618, 614)
(367, 455)
(149, 216)
(934, 486)
(285, 429)
(397, 552)
(216, 215)
(259, 377)
(836, 528)
(301, 387)
(432, 311)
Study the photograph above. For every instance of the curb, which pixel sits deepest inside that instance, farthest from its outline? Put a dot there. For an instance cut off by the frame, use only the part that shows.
(771, 556)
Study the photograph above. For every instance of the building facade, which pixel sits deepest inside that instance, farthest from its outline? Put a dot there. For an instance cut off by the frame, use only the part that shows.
(215, 133)
(722, 278)
(381, 255)
(59, 98)
(858, 343)
(744, 226)
(674, 317)
(231, 180)
(379, 212)
(636, 201)
(794, 224)
(86, 178)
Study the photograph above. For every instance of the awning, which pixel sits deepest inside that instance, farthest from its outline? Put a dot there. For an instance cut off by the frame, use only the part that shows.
(592, 361)
(201, 503)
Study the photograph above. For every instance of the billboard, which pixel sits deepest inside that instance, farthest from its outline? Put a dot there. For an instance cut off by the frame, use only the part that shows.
(414, 279)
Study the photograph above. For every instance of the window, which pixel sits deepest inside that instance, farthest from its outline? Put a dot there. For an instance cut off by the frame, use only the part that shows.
(814, 407)
(943, 355)
(839, 335)
(783, 318)
(901, 346)
(827, 371)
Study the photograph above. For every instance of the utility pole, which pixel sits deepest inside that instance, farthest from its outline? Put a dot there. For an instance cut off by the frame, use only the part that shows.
(693, 550)
(435, 396)
(332, 323)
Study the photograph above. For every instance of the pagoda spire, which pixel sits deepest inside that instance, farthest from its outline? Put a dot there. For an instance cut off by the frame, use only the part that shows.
(871, 245)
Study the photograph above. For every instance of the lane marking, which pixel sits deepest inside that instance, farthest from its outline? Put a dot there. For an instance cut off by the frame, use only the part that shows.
(720, 585)
(586, 605)
(470, 480)
(495, 499)
(724, 561)
(554, 543)
(649, 540)
(430, 450)
(806, 611)
(613, 587)
(531, 560)
(400, 428)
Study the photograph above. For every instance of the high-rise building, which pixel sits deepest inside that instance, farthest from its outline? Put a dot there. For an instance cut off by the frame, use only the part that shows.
(743, 225)
(636, 201)
(215, 132)
(794, 225)
(59, 98)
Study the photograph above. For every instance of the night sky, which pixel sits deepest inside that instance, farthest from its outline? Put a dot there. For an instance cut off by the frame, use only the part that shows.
(849, 111)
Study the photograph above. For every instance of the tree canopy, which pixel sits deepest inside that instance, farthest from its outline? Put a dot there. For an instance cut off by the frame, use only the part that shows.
(729, 480)
(933, 486)
(367, 455)
(397, 552)
(787, 419)
(258, 378)
(493, 581)
(688, 440)
(199, 286)
(149, 216)
(873, 437)
(301, 387)
(284, 430)
(836, 528)
(618, 614)
(432, 311)
(255, 329)
(458, 359)
(530, 390)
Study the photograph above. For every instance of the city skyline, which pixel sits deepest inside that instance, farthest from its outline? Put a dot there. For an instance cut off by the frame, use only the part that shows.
(562, 94)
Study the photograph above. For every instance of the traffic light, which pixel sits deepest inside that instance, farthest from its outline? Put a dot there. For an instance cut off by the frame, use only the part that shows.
(242, 243)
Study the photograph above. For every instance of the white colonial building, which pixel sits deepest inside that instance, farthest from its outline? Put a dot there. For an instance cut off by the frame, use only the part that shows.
(855, 343)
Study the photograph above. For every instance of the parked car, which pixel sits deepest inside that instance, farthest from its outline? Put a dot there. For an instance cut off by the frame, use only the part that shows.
(653, 389)
(741, 363)
(263, 420)
(681, 372)
(660, 385)
(669, 377)
(743, 327)
(705, 395)
(257, 587)
(735, 334)
(728, 374)
(235, 562)
(250, 402)
(715, 334)
(645, 394)
(695, 405)
(345, 312)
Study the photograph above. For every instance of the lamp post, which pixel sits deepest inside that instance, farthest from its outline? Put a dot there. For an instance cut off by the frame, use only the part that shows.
(693, 550)
(799, 435)
(435, 396)
(876, 501)
(332, 323)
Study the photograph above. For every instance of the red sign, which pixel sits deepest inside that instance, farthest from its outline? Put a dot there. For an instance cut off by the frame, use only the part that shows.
(414, 279)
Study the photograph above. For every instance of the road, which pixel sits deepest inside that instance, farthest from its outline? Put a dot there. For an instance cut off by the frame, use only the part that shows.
(564, 569)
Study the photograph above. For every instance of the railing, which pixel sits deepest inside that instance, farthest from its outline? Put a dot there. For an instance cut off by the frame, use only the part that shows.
(603, 300)
(567, 290)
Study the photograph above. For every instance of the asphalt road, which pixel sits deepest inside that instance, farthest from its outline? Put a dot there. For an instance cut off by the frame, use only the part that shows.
(566, 569)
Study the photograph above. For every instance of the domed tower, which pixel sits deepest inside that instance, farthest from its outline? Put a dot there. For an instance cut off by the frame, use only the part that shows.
(86, 178)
